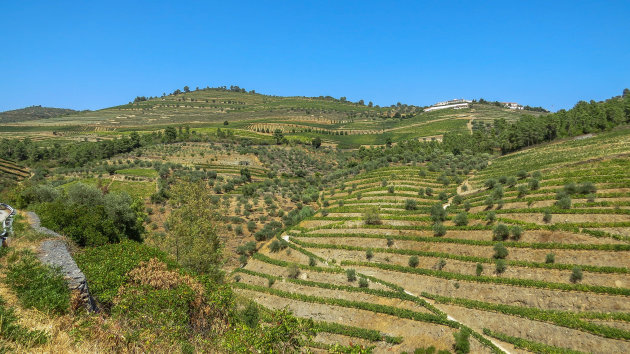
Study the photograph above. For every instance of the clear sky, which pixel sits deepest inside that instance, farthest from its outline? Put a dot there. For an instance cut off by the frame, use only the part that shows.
(90, 55)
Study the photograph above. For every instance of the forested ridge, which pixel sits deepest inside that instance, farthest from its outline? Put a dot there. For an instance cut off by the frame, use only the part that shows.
(583, 118)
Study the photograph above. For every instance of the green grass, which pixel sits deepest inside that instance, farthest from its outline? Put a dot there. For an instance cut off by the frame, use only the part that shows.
(36, 285)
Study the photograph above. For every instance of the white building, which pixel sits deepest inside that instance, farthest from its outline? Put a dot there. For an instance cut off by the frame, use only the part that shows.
(512, 105)
(455, 104)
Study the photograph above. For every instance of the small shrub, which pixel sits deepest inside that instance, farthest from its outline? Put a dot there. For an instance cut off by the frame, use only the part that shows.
(511, 182)
(270, 282)
(351, 274)
(516, 232)
(428, 191)
(500, 266)
(443, 196)
(537, 175)
(489, 202)
(534, 184)
(479, 269)
(500, 232)
(547, 217)
(440, 264)
(550, 258)
(369, 254)
(312, 262)
(461, 219)
(522, 174)
(490, 183)
(500, 252)
(457, 200)
(522, 191)
(439, 229)
(363, 283)
(411, 204)
(390, 242)
(371, 217)
(576, 275)
(390, 189)
(293, 271)
(467, 206)
(421, 191)
(587, 188)
(570, 188)
(413, 261)
(564, 202)
(462, 342)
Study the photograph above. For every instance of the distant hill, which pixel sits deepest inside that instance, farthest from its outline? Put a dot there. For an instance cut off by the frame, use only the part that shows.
(33, 113)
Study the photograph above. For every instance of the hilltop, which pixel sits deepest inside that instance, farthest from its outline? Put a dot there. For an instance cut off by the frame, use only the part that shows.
(33, 113)
(256, 116)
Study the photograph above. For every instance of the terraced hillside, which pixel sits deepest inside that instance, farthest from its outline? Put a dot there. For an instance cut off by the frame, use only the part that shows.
(530, 253)
(258, 116)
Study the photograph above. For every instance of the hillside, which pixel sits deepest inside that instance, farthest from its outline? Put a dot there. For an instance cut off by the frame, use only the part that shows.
(410, 252)
(482, 229)
(257, 116)
(33, 113)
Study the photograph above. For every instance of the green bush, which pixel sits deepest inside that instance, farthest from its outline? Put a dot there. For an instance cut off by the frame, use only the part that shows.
(461, 219)
(550, 258)
(500, 265)
(428, 191)
(351, 274)
(411, 204)
(363, 283)
(438, 213)
(576, 275)
(522, 191)
(439, 229)
(371, 217)
(547, 217)
(479, 269)
(467, 206)
(462, 343)
(38, 286)
(390, 189)
(500, 232)
(312, 262)
(516, 232)
(489, 202)
(250, 314)
(414, 261)
(457, 200)
(522, 174)
(369, 254)
(564, 203)
(440, 264)
(534, 184)
(293, 271)
(500, 252)
(390, 242)
(587, 188)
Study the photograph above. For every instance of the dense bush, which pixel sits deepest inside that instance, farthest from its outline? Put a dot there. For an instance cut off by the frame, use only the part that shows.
(371, 217)
(500, 266)
(351, 274)
(479, 269)
(550, 258)
(500, 252)
(500, 232)
(461, 219)
(90, 218)
(576, 275)
(439, 229)
(363, 283)
(413, 261)
(411, 204)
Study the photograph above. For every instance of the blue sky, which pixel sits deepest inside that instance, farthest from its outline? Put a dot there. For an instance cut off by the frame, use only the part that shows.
(89, 55)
